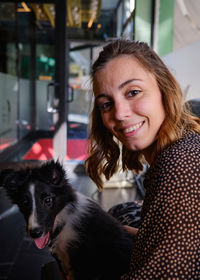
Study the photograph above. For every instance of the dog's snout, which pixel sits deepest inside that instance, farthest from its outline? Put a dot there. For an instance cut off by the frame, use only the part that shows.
(35, 232)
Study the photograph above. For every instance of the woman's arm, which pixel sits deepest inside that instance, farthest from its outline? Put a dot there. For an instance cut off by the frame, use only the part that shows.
(167, 242)
(131, 230)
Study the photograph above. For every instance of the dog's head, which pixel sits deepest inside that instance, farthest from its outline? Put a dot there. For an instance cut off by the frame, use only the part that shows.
(40, 193)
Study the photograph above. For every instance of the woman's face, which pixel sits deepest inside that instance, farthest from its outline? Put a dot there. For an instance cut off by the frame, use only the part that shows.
(130, 102)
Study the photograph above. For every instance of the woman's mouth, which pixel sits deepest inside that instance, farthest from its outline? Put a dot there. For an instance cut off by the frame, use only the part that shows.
(132, 128)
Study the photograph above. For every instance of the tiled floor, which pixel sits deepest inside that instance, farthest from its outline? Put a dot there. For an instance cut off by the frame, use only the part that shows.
(19, 258)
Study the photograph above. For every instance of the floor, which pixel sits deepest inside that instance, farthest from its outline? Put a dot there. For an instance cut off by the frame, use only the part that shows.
(19, 258)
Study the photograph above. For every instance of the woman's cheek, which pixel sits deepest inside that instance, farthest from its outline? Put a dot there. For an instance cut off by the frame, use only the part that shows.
(105, 120)
(142, 108)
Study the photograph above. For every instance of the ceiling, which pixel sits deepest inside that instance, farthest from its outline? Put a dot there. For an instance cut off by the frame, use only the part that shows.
(87, 20)
(186, 20)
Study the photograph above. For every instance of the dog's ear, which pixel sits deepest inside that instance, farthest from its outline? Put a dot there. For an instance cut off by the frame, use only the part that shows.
(8, 182)
(5, 176)
(12, 181)
(52, 173)
(58, 173)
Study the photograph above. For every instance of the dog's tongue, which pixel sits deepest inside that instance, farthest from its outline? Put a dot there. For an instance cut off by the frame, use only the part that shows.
(42, 241)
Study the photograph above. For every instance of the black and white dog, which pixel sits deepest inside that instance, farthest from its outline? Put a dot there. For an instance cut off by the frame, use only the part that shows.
(87, 241)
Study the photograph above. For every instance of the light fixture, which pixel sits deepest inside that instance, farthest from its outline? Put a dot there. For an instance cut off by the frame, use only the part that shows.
(24, 8)
(90, 23)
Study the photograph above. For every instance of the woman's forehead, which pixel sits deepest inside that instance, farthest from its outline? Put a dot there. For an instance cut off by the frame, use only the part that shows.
(119, 64)
(118, 71)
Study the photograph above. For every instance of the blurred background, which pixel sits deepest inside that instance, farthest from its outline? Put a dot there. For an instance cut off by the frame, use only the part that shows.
(46, 51)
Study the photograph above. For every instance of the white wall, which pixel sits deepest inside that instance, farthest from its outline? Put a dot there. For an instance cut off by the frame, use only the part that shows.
(185, 66)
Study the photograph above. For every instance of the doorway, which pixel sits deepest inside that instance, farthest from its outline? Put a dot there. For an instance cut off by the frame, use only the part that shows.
(35, 91)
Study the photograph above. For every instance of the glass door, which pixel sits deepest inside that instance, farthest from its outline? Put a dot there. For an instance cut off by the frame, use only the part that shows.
(9, 83)
(81, 98)
(33, 77)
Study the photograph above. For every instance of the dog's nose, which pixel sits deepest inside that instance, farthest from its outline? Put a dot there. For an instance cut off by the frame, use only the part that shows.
(35, 232)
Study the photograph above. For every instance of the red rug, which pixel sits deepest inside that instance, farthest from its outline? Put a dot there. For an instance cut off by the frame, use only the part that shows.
(43, 150)
(5, 142)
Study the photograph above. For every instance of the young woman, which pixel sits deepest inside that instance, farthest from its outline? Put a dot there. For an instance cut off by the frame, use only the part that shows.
(139, 111)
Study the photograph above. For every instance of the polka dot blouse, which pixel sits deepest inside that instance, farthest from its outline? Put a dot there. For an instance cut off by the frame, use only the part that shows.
(168, 240)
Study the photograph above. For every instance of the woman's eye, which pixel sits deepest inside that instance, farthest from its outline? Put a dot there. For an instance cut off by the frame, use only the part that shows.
(132, 93)
(48, 201)
(105, 106)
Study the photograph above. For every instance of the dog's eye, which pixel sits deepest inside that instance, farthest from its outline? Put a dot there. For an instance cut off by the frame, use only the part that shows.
(48, 201)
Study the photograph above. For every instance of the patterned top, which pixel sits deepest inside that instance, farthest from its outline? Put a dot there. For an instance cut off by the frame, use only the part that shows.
(168, 241)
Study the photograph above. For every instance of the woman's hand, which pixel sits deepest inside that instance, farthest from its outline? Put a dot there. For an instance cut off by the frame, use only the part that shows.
(131, 230)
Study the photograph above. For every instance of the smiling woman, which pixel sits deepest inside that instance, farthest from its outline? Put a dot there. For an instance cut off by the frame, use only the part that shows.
(127, 95)
(134, 91)
(139, 103)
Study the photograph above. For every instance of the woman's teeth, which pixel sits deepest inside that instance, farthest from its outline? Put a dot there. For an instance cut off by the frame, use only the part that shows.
(133, 128)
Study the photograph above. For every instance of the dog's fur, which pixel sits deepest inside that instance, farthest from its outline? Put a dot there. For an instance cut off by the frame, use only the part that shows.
(89, 243)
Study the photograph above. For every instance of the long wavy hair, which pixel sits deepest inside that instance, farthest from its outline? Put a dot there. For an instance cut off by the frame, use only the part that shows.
(104, 150)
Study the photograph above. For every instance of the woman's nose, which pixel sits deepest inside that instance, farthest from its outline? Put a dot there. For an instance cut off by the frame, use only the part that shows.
(122, 110)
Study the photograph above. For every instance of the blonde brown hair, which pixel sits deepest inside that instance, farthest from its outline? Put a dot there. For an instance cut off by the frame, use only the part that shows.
(104, 151)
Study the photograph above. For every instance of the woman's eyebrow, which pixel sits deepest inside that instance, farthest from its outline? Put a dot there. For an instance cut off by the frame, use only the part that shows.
(127, 82)
(122, 85)
(102, 95)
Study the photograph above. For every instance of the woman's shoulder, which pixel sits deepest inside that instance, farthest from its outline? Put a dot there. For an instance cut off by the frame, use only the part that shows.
(176, 170)
(187, 146)
(182, 155)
